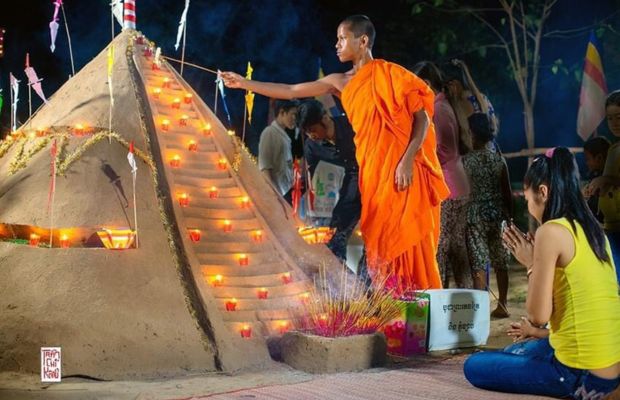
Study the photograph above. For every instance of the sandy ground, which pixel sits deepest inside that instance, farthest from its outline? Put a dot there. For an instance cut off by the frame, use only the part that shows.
(23, 387)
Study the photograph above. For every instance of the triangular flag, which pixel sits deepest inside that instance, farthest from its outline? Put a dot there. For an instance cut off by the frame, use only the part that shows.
(15, 94)
(220, 85)
(35, 82)
(593, 91)
(110, 70)
(249, 96)
(117, 10)
(181, 25)
(54, 25)
(132, 159)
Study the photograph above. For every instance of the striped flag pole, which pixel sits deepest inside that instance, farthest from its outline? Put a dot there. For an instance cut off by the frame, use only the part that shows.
(129, 14)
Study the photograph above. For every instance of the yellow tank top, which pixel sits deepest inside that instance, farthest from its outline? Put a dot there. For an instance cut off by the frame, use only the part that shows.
(585, 321)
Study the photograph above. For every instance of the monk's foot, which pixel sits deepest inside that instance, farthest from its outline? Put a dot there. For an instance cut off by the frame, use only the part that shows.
(500, 312)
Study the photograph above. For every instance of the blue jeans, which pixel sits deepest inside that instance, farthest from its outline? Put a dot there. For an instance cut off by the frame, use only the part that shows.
(530, 368)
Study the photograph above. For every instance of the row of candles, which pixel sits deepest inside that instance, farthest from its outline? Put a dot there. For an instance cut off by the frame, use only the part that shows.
(218, 280)
(175, 161)
(246, 329)
(214, 193)
(36, 239)
(77, 130)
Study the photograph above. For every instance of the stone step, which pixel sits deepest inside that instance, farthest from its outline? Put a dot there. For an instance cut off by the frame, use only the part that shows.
(254, 281)
(199, 197)
(180, 144)
(233, 259)
(290, 303)
(227, 292)
(249, 270)
(259, 315)
(198, 221)
(204, 178)
(208, 246)
(232, 214)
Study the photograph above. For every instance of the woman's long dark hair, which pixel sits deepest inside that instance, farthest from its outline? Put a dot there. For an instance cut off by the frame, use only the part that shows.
(559, 173)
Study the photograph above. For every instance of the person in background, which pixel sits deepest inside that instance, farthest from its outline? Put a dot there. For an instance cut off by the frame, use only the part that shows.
(595, 153)
(452, 250)
(275, 159)
(490, 203)
(571, 285)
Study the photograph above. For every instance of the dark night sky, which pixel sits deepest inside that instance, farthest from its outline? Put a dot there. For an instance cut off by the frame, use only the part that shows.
(284, 40)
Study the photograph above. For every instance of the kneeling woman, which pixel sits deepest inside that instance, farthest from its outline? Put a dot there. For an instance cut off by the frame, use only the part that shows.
(572, 286)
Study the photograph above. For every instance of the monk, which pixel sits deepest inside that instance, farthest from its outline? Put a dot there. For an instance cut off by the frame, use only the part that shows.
(400, 178)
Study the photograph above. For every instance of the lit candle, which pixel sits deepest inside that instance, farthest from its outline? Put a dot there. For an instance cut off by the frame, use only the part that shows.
(257, 236)
(166, 83)
(32, 134)
(154, 66)
(246, 331)
(286, 278)
(34, 239)
(227, 226)
(40, 132)
(194, 235)
(184, 200)
(213, 192)
(147, 52)
(176, 161)
(244, 260)
(188, 98)
(230, 132)
(165, 125)
(245, 202)
(192, 146)
(283, 326)
(139, 40)
(323, 319)
(183, 120)
(206, 129)
(176, 103)
(64, 241)
(262, 293)
(221, 164)
(231, 305)
(218, 280)
(359, 233)
(78, 129)
(304, 297)
(156, 93)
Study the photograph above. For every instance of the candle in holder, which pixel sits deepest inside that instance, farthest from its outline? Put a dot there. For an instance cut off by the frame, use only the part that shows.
(230, 132)
(221, 164)
(156, 93)
(246, 331)
(244, 260)
(245, 202)
(166, 83)
(227, 226)
(286, 278)
(78, 129)
(263, 293)
(283, 326)
(40, 132)
(188, 98)
(231, 305)
(140, 40)
(304, 297)
(154, 66)
(206, 129)
(64, 241)
(257, 236)
(218, 280)
(192, 145)
(34, 240)
(184, 200)
(194, 235)
(176, 103)
(165, 125)
(176, 161)
(183, 120)
(147, 52)
(213, 192)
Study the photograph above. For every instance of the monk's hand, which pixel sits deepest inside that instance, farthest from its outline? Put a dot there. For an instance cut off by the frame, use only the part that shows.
(403, 178)
(232, 80)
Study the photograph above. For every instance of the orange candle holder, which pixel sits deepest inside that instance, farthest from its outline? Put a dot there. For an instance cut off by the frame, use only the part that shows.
(183, 120)
(304, 297)
(176, 103)
(184, 200)
(140, 40)
(154, 67)
(263, 293)
(206, 129)
(244, 260)
(156, 93)
(246, 331)
(283, 327)
(213, 192)
(192, 146)
(231, 305)
(148, 52)
(221, 164)
(257, 236)
(166, 83)
(40, 132)
(227, 226)
(78, 130)
(34, 240)
(176, 161)
(245, 202)
(188, 98)
(286, 278)
(217, 280)
(165, 125)
(64, 241)
(194, 235)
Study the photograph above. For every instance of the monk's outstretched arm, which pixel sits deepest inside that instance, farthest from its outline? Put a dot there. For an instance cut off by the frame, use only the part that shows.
(404, 170)
(280, 90)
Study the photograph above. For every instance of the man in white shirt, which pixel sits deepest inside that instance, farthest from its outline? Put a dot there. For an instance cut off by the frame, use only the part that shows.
(275, 158)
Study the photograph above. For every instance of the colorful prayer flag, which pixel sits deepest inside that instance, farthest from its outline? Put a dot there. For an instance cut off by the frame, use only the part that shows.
(593, 91)
(249, 95)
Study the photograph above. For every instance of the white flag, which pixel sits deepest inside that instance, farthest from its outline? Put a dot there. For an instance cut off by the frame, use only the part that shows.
(181, 25)
(117, 10)
(132, 160)
(15, 90)
(54, 25)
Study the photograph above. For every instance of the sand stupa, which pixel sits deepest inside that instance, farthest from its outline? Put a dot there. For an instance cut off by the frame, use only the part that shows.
(159, 309)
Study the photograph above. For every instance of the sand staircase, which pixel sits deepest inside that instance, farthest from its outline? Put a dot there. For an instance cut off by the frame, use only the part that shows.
(237, 257)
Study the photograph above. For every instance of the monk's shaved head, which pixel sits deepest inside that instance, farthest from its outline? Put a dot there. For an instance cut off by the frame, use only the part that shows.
(361, 25)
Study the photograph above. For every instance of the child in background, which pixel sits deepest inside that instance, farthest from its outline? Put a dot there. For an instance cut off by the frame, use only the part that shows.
(595, 153)
(490, 203)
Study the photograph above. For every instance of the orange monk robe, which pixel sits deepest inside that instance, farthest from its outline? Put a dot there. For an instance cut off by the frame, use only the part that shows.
(400, 229)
